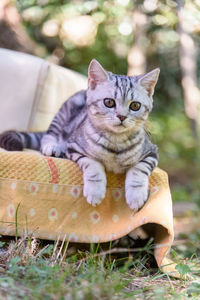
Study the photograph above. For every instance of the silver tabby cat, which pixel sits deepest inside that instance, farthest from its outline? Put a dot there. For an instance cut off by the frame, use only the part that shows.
(102, 129)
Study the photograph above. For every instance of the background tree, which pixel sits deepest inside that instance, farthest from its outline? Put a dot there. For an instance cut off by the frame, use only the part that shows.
(188, 64)
(12, 34)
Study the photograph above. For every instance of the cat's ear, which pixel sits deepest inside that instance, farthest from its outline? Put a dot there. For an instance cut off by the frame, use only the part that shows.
(96, 74)
(149, 80)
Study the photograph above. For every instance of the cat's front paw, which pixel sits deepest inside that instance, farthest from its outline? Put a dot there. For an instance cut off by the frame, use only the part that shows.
(53, 149)
(136, 195)
(94, 192)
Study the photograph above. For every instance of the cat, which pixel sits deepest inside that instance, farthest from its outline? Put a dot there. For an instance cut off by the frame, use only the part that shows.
(102, 129)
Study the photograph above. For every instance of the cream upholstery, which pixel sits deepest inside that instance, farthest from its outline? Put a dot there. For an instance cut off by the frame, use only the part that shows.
(32, 90)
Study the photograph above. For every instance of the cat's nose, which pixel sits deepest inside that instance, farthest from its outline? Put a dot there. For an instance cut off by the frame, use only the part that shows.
(122, 118)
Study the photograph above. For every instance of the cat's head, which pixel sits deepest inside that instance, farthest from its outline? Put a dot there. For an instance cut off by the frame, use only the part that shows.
(119, 103)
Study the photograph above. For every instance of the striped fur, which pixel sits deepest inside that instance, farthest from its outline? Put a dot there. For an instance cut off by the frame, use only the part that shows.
(98, 137)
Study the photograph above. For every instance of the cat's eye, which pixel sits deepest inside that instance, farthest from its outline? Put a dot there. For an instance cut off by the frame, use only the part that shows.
(109, 102)
(135, 105)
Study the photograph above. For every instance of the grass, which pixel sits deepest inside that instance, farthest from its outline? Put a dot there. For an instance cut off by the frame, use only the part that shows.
(33, 269)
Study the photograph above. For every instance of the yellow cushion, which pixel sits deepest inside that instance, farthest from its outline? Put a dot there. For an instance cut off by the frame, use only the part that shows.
(48, 194)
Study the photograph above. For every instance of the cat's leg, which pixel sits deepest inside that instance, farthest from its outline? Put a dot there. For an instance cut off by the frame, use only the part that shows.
(54, 143)
(51, 146)
(137, 181)
(94, 178)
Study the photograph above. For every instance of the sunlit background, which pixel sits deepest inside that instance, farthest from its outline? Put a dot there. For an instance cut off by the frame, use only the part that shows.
(126, 37)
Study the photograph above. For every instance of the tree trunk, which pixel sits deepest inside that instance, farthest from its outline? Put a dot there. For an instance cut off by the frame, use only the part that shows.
(188, 62)
(137, 54)
(12, 34)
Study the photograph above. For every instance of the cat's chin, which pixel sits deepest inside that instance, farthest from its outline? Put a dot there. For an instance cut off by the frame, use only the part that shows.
(118, 129)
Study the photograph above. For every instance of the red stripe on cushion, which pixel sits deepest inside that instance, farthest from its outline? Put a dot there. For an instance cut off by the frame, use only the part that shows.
(53, 169)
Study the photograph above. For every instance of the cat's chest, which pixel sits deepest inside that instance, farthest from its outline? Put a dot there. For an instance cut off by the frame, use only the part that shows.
(114, 163)
(116, 160)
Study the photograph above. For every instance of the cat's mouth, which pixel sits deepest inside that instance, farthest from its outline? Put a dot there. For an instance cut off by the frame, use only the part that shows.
(120, 128)
(120, 125)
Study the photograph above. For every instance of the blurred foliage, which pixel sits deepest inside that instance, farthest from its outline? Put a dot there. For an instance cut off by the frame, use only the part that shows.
(74, 32)
(107, 33)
